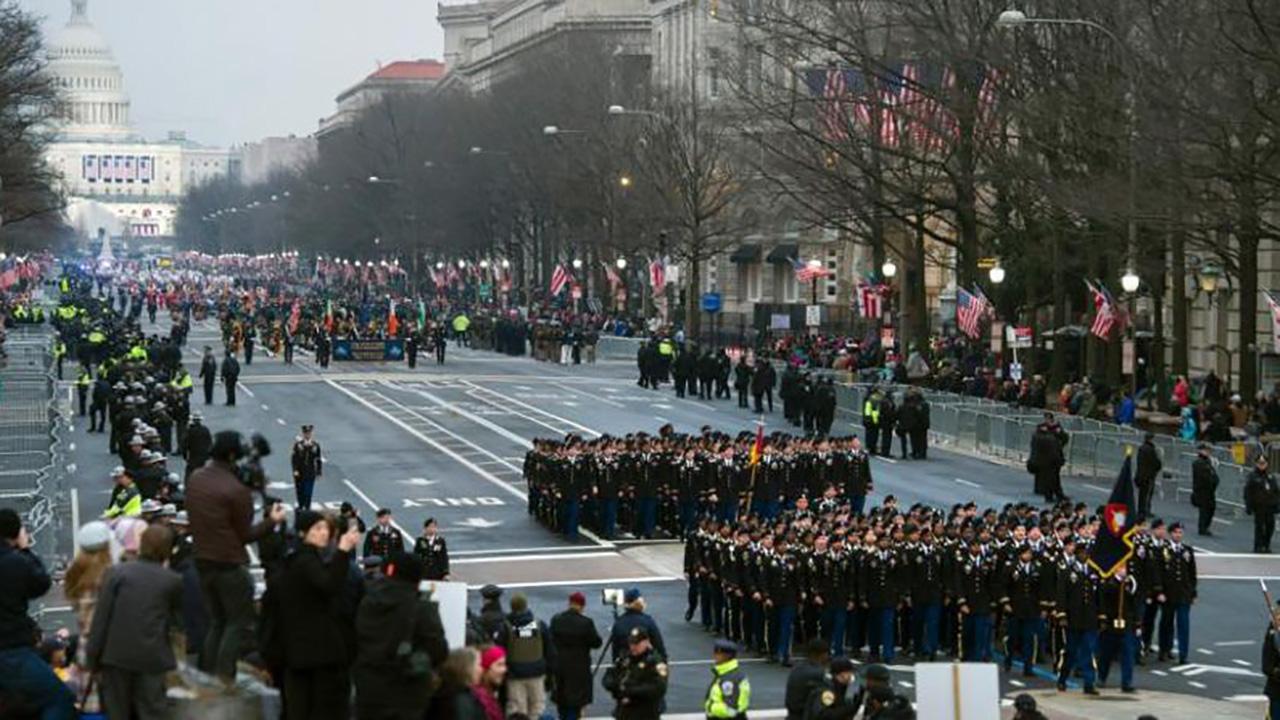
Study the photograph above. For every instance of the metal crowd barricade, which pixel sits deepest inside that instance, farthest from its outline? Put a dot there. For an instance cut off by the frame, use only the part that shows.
(29, 430)
(1095, 449)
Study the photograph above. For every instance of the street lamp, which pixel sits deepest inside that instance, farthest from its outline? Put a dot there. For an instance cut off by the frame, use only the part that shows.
(462, 264)
(1130, 282)
(505, 263)
(888, 269)
(1011, 19)
(577, 263)
(617, 110)
(439, 265)
(625, 181)
(996, 274)
(621, 263)
(1209, 276)
(484, 264)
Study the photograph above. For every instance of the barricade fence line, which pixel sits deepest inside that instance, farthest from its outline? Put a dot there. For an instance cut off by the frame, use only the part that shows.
(1094, 450)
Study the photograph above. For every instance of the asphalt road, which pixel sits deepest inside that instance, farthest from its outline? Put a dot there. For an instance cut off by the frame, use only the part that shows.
(447, 442)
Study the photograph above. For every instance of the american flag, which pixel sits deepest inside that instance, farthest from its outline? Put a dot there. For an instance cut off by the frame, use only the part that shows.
(908, 102)
(1274, 301)
(833, 93)
(990, 307)
(611, 275)
(868, 299)
(657, 274)
(970, 310)
(1105, 315)
(808, 273)
(560, 278)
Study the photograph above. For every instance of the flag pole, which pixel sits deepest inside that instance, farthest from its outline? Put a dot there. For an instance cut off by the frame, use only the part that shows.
(754, 459)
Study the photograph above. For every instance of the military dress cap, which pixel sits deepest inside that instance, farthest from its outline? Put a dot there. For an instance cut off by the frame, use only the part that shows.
(728, 647)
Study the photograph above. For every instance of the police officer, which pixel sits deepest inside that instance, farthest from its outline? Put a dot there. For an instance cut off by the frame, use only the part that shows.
(83, 382)
(729, 694)
(1261, 500)
(832, 701)
(126, 500)
(209, 374)
(1204, 488)
(100, 399)
(638, 680)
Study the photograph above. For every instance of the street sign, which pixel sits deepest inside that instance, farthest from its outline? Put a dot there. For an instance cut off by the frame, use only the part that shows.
(711, 302)
(779, 321)
(813, 315)
(987, 263)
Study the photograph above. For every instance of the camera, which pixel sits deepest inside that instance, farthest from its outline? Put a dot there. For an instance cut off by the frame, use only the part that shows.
(249, 469)
(612, 597)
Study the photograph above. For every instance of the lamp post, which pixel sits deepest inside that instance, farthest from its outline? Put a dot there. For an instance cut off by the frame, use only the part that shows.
(888, 271)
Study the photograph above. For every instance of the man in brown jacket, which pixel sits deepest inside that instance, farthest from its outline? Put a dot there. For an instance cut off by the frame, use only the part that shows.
(220, 508)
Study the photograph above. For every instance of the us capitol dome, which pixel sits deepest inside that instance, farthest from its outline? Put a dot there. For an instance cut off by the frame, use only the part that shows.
(86, 71)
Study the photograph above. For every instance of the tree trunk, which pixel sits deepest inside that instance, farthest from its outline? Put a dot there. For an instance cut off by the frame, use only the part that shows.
(692, 308)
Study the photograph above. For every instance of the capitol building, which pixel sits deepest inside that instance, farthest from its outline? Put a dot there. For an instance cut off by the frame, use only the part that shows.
(115, 181)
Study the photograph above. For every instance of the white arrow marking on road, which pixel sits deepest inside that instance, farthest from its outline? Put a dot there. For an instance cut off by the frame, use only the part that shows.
(279, 486)
(1194, 669)
(479, 523)
(420, 482)
(1197, 685)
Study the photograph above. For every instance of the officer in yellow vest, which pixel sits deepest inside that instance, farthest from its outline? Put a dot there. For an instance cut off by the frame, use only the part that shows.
(64, 285)
(126, 499)
(59, 352)
(83, 383)
(182, 381)
(871, 420)
(729, 694)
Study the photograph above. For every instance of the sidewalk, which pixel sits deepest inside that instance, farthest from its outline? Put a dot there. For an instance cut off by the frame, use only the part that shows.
(1111, 705)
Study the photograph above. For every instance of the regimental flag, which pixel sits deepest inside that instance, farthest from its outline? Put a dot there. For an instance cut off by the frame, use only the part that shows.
(1274, 301)
(808, 273)
(393, 322)
(869, 298)
(757, 447)
(1105, 314)
(970, 310)
(560, 279)
(1114, 543)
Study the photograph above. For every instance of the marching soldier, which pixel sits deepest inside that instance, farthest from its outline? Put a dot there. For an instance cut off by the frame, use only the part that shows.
(638, 681)
(1078, 613)
(974, 588)
(1026, 603)
(308, 464)
(1120, 610)
(1180, 593)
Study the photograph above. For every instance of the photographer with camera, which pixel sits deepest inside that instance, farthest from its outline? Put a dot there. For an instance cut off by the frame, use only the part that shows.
(638, 678)
(220, 507)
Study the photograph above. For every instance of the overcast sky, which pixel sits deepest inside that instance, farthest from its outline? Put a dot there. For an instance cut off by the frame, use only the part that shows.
(230, 71)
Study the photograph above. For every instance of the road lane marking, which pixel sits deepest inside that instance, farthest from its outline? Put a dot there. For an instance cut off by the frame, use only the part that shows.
(1197, 685)
(1202, 651)
(537, 410)
(246, 390)
(1017, 683)
(531, 558)
(1095, 488)
(1242, 663)
(499, 551)
(589, 396)
(1235, 643)
(441, 402)
(968, 483)
(607, 581)
(280, 421)
(265, 407)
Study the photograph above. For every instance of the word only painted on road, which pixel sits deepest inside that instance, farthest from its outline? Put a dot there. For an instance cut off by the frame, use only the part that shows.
(450, 502)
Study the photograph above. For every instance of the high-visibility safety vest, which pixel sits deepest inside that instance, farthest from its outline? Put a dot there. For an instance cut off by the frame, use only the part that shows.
(666, 347)
(85, 379)
(137, 352)
(59, 349)
(64, 285)
(729, 695)
(97, 338)
(182, 381)
(871, 412)
(125, 503)
(461, 323)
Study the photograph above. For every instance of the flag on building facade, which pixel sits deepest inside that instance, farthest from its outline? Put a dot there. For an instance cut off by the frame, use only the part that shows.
(657, 274)
(1274, 301)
